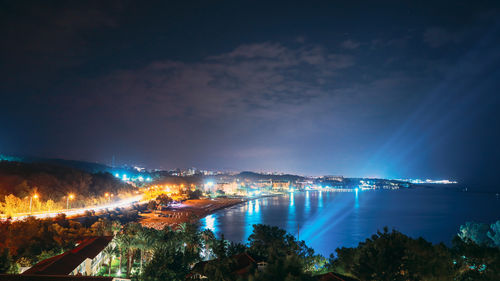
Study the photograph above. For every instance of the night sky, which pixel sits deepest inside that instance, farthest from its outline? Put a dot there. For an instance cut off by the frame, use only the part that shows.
(386, 89)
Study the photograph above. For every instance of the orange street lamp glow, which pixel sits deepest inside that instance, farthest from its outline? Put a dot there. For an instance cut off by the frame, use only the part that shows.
(70, 196)
(31, 199)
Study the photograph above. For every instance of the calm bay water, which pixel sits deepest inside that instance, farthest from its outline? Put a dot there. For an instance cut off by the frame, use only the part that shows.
(327, 220)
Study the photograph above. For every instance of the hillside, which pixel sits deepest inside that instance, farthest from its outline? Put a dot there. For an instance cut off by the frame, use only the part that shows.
(89, 167)
(54, 181)
(252, 176)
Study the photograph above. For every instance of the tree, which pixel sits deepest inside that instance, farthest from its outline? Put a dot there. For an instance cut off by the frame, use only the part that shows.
(124, 242)
(102, 227)
(143, 242)
(219, 269)
(394, 256)
(167, 264)
(476, 232)
(152, 205)
(164, 200)
(196, 194)
(267, 242)
(282, 252)
(286, 268)
(5, 260)
(475, 262)
(494, 233)
(110, 251)
(116, 226)
(209, 240)
(235, 248)
(220, 247)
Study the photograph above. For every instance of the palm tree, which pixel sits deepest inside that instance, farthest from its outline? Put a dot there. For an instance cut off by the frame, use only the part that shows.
(143, 241)
(169, 238)
(110, 251)
(181, 227)
(124, 242)
(209, 239)
(191, 238)
(116, 226)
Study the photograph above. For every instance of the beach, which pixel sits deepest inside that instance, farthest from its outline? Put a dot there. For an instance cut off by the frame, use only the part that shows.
(188, 211)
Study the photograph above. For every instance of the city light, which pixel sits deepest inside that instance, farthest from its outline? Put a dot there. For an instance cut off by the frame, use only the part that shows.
(35, 196)
(70, 197)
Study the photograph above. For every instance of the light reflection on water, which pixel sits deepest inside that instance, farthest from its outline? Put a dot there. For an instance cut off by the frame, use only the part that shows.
(308, 203)
(320, 199)
(328, 220)
(209, 222)
(291, 220)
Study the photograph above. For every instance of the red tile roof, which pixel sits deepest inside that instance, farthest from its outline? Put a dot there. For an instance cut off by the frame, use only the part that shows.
(23, 277)
(65, 263)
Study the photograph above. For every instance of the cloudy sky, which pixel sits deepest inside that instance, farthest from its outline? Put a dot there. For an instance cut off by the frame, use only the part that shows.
(387, 89)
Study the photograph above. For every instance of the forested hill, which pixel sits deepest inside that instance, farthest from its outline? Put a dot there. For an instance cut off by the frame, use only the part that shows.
(257, 176)
(54, 181)
(80, 165)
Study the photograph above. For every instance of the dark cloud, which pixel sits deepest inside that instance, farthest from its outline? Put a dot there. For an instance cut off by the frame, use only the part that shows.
(39, 41)
(436, 37)
(350, 44)
(254, 80)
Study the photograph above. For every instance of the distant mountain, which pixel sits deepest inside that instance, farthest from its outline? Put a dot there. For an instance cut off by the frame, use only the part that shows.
(89, 167)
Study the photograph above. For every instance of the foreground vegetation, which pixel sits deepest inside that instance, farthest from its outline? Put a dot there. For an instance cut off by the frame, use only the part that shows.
(170, 254)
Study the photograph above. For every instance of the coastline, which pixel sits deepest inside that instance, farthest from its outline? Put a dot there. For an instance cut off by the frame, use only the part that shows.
(191, 211)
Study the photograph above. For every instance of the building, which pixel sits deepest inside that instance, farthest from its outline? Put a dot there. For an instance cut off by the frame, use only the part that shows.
(86, 259)
(334, 178)
(263, 183)
(38, 277)
(281, 185)
(228, 187)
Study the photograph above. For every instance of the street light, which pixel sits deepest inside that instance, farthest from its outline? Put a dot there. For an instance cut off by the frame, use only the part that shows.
(70, 196)
(35, 196)
(107, 196)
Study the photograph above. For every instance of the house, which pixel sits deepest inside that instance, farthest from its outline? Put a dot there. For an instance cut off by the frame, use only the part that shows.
(38, 277)
(86, 259)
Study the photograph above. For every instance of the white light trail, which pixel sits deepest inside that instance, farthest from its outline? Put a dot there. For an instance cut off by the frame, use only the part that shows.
(73, 212)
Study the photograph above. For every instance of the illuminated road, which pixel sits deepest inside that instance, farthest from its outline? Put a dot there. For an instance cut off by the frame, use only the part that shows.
(74, 212)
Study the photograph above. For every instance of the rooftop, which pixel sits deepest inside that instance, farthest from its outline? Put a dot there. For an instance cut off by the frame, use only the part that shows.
(65, 263)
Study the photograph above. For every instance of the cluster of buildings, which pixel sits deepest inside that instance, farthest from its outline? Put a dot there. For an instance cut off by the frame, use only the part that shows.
(428, 181)
(233, 186)
(246, 188)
